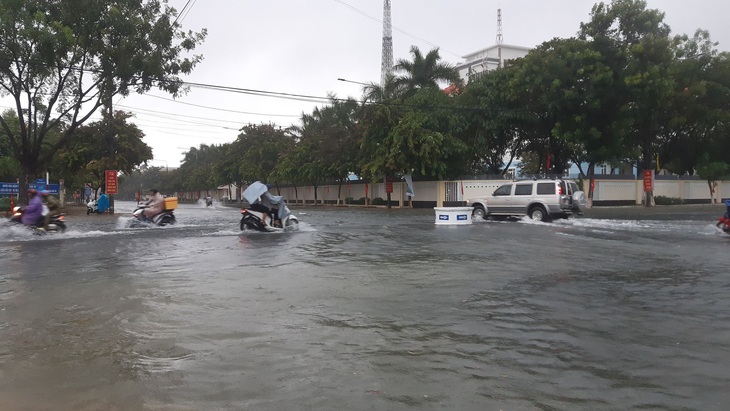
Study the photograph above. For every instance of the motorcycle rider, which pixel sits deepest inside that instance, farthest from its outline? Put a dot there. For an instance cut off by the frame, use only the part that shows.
(264, 204)
(33, 211)
(54, 208)
(154, 204)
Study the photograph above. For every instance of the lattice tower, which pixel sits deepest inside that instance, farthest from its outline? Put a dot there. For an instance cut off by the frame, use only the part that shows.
(386, 63)
(500, 39)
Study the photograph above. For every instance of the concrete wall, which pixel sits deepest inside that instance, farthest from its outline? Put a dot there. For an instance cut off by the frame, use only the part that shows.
(456, 192)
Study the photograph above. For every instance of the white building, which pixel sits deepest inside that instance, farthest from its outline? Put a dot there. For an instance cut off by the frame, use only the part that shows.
(489, 59)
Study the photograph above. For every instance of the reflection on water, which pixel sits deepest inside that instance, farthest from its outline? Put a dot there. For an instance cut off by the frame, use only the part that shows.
(370, 308)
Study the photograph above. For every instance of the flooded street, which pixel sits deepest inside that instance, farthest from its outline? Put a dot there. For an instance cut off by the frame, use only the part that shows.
(368, 309)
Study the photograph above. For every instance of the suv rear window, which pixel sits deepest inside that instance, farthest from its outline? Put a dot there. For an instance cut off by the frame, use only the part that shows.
(545, 188)
(523, 189)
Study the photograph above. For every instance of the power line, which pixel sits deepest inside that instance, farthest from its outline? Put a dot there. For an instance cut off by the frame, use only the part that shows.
(222, 109)
(185, 10)
(397, 29)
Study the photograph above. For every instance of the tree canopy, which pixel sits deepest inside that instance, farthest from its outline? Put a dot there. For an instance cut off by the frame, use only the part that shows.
(60, 61)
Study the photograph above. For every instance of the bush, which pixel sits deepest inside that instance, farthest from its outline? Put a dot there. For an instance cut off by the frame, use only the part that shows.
(662, 200)
(379, 201)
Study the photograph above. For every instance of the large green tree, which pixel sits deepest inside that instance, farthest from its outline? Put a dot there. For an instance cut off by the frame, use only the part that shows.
(94, 150)
(636, 45)
(62, 60)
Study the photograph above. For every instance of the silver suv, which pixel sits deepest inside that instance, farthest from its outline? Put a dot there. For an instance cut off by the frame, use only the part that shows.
(541, 200)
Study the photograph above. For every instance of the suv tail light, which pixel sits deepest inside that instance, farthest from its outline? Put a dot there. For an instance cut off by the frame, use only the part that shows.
(560, 189)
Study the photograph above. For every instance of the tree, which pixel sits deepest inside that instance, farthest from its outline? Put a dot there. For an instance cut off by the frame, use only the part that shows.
(92, 151)
(9, 165)
(636, 46)
(490, 122)
(254, 155)
(419, 140)
(422, 72)
(327, 148)
(62, 60)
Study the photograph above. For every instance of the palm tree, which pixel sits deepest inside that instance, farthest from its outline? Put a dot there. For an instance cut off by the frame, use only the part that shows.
(422, 72)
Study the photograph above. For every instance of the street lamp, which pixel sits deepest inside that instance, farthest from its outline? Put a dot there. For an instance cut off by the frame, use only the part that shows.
(356, 82)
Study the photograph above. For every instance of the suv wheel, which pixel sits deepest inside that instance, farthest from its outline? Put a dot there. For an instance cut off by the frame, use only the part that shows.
(538, 213)
(479, 213)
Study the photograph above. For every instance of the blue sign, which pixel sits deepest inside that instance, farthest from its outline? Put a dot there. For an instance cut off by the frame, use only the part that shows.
(461, 217)
(444, 217)
(40, 184)
(8, 188)
(12, 188)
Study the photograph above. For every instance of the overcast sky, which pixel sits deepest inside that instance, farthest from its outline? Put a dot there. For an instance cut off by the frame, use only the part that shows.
(303, 47)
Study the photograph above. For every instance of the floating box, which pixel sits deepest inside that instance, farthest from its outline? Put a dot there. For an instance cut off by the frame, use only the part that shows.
(170, 203)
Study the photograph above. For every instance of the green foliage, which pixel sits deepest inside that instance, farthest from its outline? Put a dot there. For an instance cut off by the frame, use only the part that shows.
(108, 144)
(662, 200)
(62, 60)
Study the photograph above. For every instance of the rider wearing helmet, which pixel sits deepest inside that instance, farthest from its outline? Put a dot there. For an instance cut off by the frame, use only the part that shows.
(33, 211)
(54, 207)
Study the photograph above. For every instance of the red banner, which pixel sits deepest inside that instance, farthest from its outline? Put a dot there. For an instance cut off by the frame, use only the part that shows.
(111, 181)
(648, 180)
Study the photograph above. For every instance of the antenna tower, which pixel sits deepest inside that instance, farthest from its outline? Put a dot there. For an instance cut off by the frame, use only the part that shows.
(500, 39)
(386, 63)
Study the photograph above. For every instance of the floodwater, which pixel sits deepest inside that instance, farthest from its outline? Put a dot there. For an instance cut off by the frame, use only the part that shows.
(368, 309)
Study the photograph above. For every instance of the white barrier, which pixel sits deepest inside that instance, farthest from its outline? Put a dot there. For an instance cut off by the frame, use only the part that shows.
(453, 215)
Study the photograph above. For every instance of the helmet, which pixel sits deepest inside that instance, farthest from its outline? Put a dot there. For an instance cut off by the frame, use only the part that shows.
(32, 191)
(153, 190)
(268, 186)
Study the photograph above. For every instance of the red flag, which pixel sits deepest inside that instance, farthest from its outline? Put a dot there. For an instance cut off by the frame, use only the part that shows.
(548, 162)
(348, 186)
(366, 189)
(462, 187)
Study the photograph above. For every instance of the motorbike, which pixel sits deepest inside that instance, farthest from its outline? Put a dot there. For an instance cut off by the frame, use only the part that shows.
(57, 222)
(92, 207)
(262, 221)
(724, 225)
(166, 217)
(723, 222)
(208, 201)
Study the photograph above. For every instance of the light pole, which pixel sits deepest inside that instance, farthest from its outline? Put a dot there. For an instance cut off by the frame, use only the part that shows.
(356, 82)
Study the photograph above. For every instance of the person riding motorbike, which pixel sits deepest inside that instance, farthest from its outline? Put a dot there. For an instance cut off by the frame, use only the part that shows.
(33, 211)
(54, 208)
(154, 204)
(265, 204)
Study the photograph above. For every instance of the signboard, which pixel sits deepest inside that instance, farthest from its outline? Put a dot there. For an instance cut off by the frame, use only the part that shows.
(111, 181)
(9, 188)
(40, 184)
(648, 180)
(12, 188)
